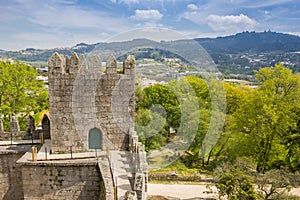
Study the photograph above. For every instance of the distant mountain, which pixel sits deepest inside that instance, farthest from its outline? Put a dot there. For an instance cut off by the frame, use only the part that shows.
(238, 54)
(252, 42)
(248, 51)
(32, 54)
(245, 42)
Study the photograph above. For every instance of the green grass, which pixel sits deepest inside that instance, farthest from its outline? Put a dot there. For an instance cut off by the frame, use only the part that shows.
(177, 182)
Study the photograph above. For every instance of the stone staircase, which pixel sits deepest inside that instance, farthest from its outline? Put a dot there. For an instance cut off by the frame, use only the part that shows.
(122, 170)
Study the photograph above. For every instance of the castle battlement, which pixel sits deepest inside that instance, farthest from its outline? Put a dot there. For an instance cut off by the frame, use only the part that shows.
(89, 109)
(83, 99)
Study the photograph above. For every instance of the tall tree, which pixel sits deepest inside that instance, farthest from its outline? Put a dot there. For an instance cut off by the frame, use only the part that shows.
(20, 91)
(267, 116)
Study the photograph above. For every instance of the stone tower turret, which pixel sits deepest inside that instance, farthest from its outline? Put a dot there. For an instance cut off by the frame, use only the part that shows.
(85, 102)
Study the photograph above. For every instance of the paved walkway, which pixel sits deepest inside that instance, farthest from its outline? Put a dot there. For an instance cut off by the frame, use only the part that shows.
(44, 154)
(19, 142)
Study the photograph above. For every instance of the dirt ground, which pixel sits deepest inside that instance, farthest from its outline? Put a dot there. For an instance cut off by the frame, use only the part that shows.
(178, 191)
(181, 191)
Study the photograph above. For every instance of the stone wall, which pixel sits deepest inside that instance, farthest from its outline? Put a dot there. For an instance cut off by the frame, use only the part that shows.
(140, 166)
(62, 181)
(15, 133)
(62, 74)
(107, 182)
(82, 97)
(115, 100)
(10, 175)
(7, 136)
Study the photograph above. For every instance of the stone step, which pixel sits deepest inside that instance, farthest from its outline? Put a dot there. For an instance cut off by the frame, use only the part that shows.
(122, 171)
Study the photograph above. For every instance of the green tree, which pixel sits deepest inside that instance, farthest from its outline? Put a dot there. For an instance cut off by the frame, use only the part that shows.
(157, 110)
(274, 184)
(172, 98)
(235, 95)
(150, 128)
(267, 117)
(20, 92)
(234, 181)
(292, 143)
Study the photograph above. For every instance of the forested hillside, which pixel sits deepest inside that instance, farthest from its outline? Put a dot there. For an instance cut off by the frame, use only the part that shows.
(236, 54)
(255, 42)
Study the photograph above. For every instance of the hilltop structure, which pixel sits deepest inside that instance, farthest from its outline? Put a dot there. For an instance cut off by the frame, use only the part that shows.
(89, 110)
(81, 98)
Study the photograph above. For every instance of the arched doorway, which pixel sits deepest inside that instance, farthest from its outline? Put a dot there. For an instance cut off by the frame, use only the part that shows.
(95, 139)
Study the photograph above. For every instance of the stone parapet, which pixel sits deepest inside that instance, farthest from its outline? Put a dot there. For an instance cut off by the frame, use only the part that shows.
(61, 182)
(11, 185)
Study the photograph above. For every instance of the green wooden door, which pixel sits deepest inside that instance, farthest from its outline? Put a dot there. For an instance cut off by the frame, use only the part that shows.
(95, 139)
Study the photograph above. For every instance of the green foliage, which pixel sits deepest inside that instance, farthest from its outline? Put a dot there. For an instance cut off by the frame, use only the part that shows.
(233, 182)
(159, 103)
(293, 155)
(20, 92)
(260, 121)
(235, 95)
(159, 108)
(236, 180)
(262, 124)
(273, 184)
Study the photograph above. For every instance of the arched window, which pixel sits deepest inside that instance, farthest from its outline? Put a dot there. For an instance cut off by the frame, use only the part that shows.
(95, 139)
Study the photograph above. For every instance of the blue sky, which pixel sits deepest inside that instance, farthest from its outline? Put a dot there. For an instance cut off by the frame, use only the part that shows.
(64, 23)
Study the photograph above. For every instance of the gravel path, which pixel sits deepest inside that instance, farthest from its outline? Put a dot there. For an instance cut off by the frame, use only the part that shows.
(189, 191)
(180, 191)
(296, 191)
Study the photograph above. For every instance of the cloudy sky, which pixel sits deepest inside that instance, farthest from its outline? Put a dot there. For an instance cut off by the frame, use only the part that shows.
(62, 23)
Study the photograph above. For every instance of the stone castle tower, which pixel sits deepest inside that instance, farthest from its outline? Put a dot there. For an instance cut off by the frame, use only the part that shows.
(89, 108)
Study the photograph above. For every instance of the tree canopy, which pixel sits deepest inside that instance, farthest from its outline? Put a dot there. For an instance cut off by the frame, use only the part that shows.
(262, 123)
(20, 92)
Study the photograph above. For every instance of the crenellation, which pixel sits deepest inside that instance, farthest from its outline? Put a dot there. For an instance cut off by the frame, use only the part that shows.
(129, 65)
(1, 126)
(94, 61)
(57, 64)
(14, 125)
(74, 63)
(111, 65)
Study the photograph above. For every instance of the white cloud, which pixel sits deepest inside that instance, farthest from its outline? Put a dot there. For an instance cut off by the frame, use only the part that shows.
(130, 1)
(293, 33)
(126, 1)
(38, 24)
(68, 2)
(267, 3)
(62, 16)
(147, 15)
(195, 16)
(198, 34)
(54, 39)
(230, 23)
(192, 7)
(149, 24)
(152, 33)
